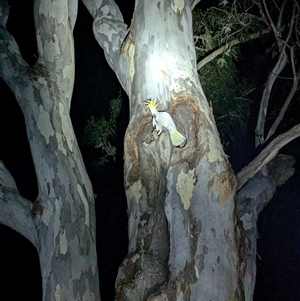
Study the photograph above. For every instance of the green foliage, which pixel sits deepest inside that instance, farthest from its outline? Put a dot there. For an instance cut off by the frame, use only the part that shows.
(228, 95)
(230, 23)
(217, 26)
(100, 132)
(115, 109)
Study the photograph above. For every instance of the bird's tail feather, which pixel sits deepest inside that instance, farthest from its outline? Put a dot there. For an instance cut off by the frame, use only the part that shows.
(177, 138)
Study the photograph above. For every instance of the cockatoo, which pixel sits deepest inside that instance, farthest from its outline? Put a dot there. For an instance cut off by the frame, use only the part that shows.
(164, 119)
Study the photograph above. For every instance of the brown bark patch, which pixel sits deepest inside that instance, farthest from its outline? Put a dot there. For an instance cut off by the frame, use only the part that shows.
(137, 131)
(188, 117)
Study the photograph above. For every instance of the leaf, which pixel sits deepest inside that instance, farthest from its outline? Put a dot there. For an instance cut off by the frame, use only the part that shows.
(222, 62)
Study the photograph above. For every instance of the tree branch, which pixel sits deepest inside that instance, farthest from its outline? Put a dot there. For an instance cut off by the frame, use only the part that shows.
(51, 20)
(295, 83)
(251, 199)
(12, 66)
(261, 119)
(280, 64)
(272, 25)
(259, 190)
(15, 211)
(267, 155)
(110, 32)
(194, 3)
(222, 49)
(109, 27)
(56, 54)
(286, 103)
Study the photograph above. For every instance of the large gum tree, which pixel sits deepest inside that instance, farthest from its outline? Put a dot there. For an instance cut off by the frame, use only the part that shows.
(191, 236)
(192, 221)
(180, 199)
(60, 222)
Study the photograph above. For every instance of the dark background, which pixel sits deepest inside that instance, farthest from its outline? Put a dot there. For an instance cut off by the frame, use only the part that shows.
(278, 262)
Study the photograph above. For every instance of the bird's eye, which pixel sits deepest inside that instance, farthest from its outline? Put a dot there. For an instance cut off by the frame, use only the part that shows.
(154, 115)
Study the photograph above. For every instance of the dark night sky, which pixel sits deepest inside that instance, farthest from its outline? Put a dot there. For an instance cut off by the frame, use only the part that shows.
(279, 244)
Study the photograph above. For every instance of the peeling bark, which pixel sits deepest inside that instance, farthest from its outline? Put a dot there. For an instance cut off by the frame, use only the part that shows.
(62, 218)
(186, 239)
(180, 200)
(189, 239)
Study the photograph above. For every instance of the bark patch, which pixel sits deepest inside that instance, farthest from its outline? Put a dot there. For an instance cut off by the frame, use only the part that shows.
(185, 187)
(44, 124)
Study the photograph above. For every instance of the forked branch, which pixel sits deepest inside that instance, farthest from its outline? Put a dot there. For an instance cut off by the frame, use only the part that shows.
(267, 155)
(283, 44)
(16, 211)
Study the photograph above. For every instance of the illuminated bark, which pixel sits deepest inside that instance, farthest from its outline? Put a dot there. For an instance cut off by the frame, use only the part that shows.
(180, 200)
(186, 238)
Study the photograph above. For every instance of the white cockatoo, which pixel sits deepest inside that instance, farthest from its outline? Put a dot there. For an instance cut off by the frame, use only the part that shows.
(164, 119)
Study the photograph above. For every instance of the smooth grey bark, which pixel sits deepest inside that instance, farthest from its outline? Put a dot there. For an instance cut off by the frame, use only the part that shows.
(251, 200)
(61, 221)
(283, 47)
(14, 209)
(262, 115)
(267, 155)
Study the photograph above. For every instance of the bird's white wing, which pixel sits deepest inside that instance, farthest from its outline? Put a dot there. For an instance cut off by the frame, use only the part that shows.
(167, 122)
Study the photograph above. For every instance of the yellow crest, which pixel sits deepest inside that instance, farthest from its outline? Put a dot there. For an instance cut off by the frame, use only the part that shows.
(151, 104)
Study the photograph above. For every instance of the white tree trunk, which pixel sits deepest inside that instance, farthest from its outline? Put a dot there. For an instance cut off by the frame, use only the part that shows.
(181, 200)
(61, 221)
(186, 239)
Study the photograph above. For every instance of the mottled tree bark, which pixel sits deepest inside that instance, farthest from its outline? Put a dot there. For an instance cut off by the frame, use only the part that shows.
(189, 239)
(181, 200)
(185, 236)
(61, 221)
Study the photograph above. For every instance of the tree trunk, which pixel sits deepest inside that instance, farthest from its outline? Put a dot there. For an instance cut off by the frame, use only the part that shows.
(61, 221)
(251, 200)
(181, 200)
(186, 239)
(193, 184)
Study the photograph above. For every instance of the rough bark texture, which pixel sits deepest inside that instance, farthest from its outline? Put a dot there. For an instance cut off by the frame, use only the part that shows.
(61, 221)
